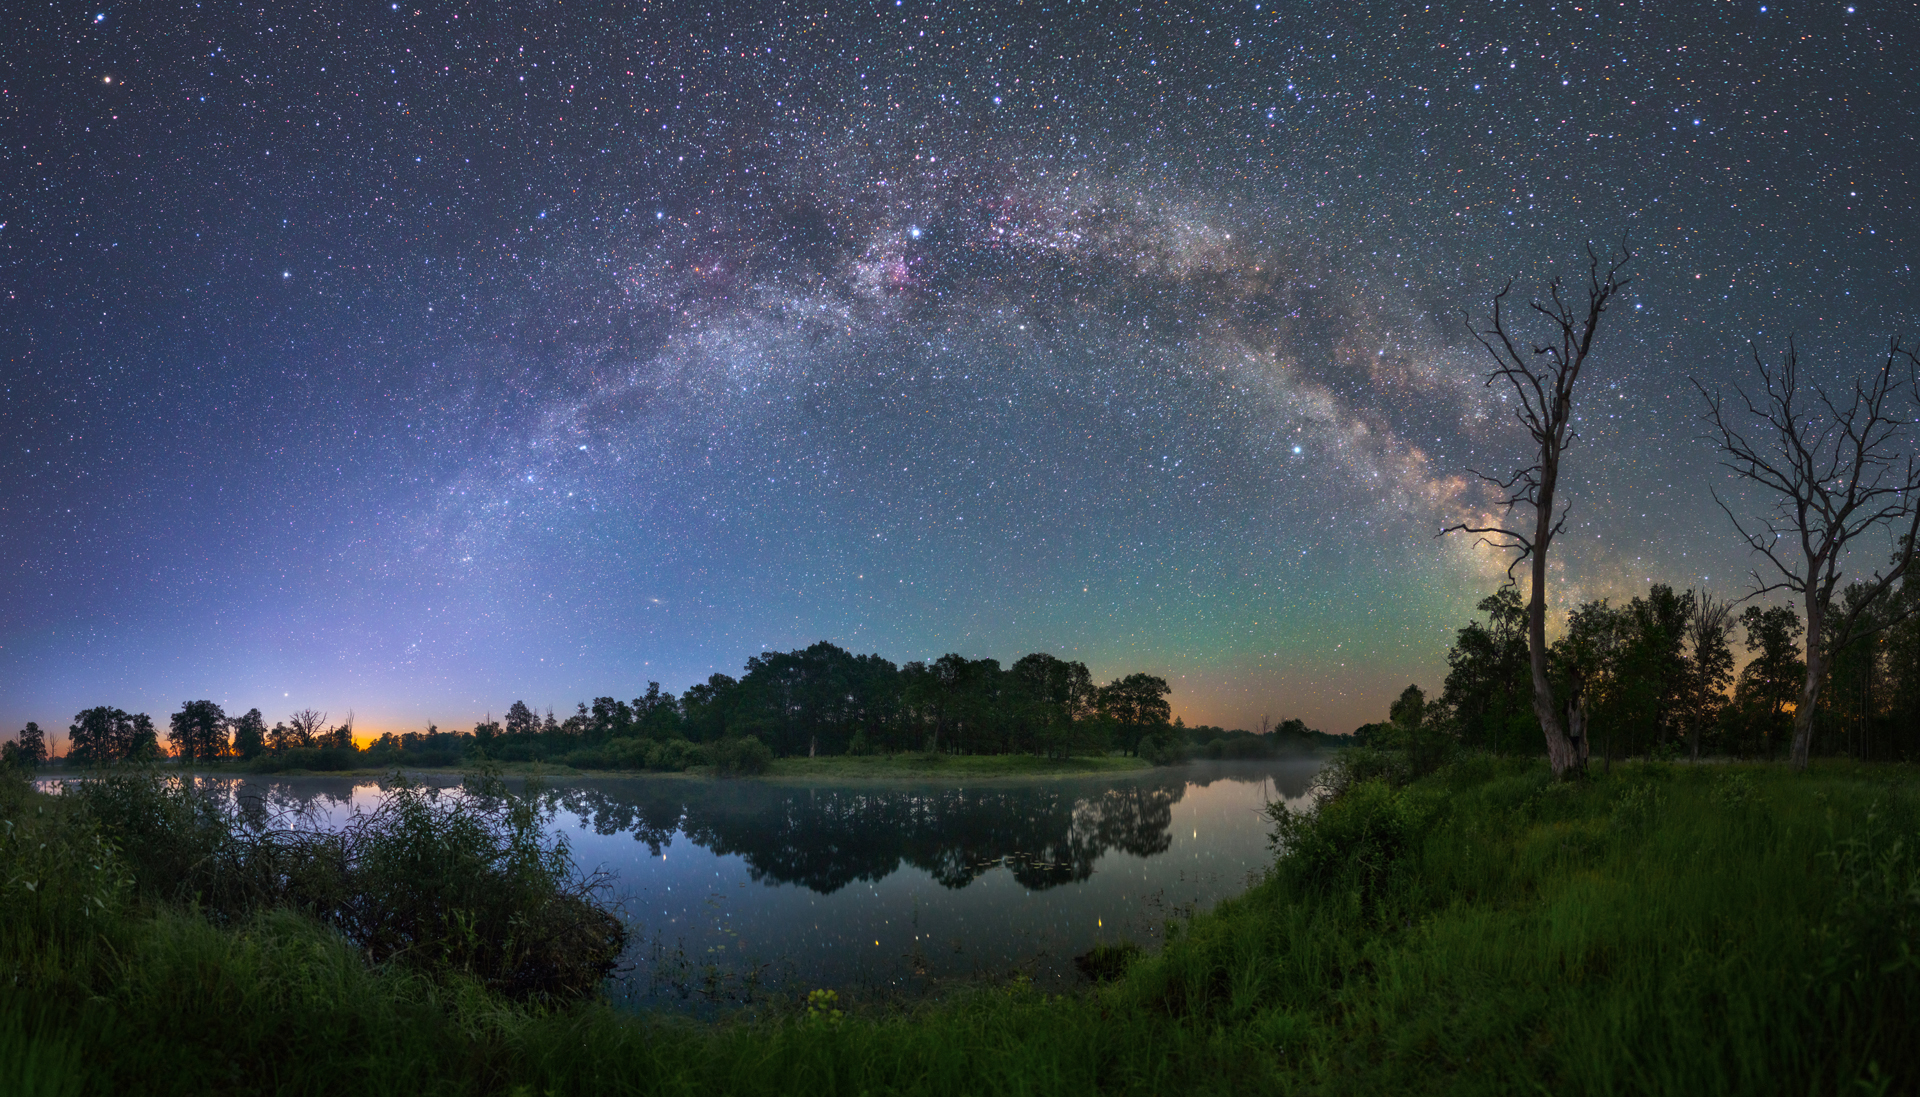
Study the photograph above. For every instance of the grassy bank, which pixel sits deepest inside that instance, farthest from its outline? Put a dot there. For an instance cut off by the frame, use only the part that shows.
(1719, 929)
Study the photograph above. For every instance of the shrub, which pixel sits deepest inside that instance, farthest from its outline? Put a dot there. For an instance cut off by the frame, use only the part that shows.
(313, 759)
(58, 873)
(679, 755)
(1104, 963)
(1162, 750)
(669, 755)
(741, 757)
(1349, 841)
(465, 880)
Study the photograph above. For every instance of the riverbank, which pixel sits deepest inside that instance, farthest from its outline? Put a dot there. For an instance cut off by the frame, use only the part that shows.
(839, 767)
(1659, 929)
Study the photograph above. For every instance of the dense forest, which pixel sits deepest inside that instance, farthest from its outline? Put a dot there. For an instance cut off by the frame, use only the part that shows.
(820, 700)
(1658, 678)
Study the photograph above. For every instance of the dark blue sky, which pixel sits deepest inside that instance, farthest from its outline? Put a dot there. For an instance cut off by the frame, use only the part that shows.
(413, 359)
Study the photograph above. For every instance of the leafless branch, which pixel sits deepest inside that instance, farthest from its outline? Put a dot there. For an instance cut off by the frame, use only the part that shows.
(1835, 470)
(1542, 378)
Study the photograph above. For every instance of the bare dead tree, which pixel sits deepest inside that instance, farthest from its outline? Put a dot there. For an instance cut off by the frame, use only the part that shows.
(1543, 378)
(306, 725)
(1838, 469)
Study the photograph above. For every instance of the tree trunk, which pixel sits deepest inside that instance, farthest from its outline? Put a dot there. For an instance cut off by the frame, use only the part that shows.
(1567, 754)
(1810, 689)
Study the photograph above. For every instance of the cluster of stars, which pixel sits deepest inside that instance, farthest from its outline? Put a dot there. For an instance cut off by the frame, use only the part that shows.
(450, 348)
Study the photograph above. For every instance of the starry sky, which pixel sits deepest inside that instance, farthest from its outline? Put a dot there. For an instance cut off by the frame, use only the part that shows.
(408, 359)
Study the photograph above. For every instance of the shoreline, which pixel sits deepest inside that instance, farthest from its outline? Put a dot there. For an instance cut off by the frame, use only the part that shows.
(856, 768)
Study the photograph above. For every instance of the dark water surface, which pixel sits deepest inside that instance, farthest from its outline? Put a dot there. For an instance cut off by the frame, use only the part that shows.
(735, 889)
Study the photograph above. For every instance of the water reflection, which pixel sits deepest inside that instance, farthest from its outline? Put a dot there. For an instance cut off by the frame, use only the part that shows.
(826, 838)
(733, 889)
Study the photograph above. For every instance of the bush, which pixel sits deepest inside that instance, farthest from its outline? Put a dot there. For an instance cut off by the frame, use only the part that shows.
(58, 872)
(742, 757)
(1162, 750)
(667, 755)
(679, 755)
(1104, 963)
(1349, 841)
(313, 759)
(445, 881)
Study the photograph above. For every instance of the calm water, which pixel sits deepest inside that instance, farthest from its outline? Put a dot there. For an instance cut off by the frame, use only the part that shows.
(736, 888)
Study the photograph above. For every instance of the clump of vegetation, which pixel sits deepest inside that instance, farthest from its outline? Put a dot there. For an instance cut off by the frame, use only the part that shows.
(465, 880)
(1482, 928)
(740, 757)
(1103, 963)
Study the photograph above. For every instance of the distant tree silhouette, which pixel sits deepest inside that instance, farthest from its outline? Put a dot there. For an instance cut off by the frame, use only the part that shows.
(304, 727)
(1137, 705)
(199, 731)
(1487, 687)
(30, 748)
(105, 735)
(521, 721)
(249, 734)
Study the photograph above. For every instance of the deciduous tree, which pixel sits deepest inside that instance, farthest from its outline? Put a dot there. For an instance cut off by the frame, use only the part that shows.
(199, 731)
(1838, 468)
(249, 734)
(30, 749)
(1542, 379)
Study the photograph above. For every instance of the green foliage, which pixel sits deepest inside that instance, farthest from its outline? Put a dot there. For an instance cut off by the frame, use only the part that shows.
(59, 875)
(445, 881)
(1750, 931)
(1104, 963)
(741, 757)
(1346, 844)
(674, 755)
(822, 1008)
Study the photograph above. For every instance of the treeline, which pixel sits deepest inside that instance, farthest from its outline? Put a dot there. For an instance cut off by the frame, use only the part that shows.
(1657, 678)
(819, 700)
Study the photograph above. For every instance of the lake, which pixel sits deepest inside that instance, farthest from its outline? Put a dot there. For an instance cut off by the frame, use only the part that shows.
(734, 889)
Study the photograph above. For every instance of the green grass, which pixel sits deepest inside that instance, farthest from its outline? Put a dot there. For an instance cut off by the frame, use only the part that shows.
(1709, 930)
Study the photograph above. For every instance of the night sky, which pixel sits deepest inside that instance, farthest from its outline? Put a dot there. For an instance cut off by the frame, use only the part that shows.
(408, 359)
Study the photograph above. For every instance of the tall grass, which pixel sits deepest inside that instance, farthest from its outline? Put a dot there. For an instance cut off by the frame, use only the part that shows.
(1699, 930)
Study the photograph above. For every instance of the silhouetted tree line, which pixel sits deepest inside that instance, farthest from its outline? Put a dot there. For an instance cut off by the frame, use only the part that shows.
(813, 701)
(1656, 678)
(824, 700)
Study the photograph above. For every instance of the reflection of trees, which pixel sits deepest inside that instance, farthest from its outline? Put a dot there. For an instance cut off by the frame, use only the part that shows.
(826, 838)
